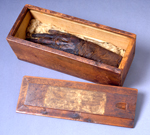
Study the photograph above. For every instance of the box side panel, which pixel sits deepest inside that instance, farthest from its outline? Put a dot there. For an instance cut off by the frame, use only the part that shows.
(127, 60)
(82, 21)
(21, 31)
(75, 28)
(64, 64)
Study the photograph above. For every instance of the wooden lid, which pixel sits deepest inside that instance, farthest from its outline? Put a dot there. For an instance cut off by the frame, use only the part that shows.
(87, 102)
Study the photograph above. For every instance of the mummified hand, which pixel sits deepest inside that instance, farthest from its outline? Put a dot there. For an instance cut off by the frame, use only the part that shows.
(72, 44)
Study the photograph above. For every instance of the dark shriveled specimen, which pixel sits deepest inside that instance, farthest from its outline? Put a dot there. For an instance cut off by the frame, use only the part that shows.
(74, 45)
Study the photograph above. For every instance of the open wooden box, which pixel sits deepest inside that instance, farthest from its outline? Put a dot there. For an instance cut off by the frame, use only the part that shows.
(69, 63)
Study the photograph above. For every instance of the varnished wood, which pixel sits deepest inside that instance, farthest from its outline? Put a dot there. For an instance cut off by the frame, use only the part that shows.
(21, 32)
(69, 63)
(78, 101)
(127, 60)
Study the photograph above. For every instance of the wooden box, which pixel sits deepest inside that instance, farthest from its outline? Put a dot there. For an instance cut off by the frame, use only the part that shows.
(79, 101)
(68, 63)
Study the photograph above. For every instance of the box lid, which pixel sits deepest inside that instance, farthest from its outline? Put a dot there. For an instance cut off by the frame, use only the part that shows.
(80, 101)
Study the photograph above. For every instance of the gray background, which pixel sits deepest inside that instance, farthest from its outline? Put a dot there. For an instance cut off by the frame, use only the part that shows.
(132, 16)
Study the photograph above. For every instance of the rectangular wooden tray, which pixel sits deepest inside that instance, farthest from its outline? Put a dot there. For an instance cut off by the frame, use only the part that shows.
(68, 63)
(79, 101)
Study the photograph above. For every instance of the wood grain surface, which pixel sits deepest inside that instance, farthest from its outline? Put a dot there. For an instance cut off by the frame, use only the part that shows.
(78, 101)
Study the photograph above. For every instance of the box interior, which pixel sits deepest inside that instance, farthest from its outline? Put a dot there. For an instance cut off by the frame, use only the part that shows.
(73, 28)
